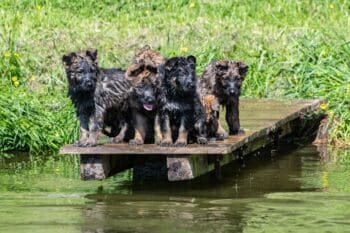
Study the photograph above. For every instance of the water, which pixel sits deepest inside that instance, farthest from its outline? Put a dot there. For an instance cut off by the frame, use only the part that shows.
(299, 191)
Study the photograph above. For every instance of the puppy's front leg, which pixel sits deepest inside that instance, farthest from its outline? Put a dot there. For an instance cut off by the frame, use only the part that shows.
(123, 128)
(183, 133)
(221, 134)
(201, 132)
(139, 123)
(165, 131)
(97, 123)
(232, 116)
(84, 131)
(157, 130)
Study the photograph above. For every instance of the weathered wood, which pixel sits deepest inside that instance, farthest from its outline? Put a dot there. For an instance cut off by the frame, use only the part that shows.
(99, 167)
(265, 122)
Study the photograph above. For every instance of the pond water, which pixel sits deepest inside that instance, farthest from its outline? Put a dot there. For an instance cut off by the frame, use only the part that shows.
(299, 191)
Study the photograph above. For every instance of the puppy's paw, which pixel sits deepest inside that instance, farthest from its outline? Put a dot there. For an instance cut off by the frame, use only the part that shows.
(180, 143)
(165, 143)
(135, 142)
(221, 136)
(90, 143)
(116, 140)
(79, 143)
(241, 131)
(157, 141)
(202, 140)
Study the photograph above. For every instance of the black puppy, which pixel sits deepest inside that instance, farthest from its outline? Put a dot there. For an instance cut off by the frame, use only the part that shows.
(99, 96)
(180, 110)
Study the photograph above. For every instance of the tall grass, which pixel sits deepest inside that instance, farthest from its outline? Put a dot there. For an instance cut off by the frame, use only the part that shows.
(295, 49)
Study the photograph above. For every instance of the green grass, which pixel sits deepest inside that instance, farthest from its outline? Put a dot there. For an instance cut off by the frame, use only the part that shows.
(295, 49)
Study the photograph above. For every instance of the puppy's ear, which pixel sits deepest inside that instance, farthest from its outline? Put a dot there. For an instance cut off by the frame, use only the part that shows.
(146, 47)
(171, 63)
(152, 68)
(134, 70)
(69, 58)
(92, 53)
(191, 59)
(243, 68)
(161, 71)
(221, 65)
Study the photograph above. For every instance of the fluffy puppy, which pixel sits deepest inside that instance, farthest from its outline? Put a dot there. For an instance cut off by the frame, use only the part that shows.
(180, 108)
(145, 74)
(99, 96)
(224, 79)
(212, 107)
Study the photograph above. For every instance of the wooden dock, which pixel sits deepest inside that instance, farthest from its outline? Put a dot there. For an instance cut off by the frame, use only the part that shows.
(265, 122)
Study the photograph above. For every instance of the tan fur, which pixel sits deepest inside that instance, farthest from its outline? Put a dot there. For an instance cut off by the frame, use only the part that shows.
(210, 104)
(144, 71)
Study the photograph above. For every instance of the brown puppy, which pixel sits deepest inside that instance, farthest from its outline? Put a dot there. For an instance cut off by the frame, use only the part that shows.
(212, 123)
(224, 79)
(145, 74)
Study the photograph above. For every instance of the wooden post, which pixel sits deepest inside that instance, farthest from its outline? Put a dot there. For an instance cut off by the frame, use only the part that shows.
(94, 167)
(98, 167)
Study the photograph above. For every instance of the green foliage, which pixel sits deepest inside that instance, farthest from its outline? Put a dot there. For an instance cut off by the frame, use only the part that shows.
(295, 49)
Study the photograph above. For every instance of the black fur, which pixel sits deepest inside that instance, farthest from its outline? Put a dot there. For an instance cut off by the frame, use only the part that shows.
(99, 96)
(181, 113)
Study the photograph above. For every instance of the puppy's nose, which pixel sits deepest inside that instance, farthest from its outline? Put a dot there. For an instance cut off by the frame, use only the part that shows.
(149, 99)
(89, 84)
(191, 85)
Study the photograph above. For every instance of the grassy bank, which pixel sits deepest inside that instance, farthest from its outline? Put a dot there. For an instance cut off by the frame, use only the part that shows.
(295, 49)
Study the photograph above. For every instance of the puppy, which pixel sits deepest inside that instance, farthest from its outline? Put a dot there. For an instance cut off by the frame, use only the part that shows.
(99, 96)
(212, 107)
(145, 74)
(224, 80)
(180, 108)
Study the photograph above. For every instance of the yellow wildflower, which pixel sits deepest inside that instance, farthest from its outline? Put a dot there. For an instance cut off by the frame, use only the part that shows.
(14, 79)
(324, 180)
(38, 7)
(184, 49)
(16, 83)
(33, 78)
(192, 5)
(330, 114)
(17, 55)
(331, 6)
(7, 54)
(324, 106)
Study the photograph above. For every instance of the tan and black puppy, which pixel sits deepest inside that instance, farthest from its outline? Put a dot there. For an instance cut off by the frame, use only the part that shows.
(99, 96)
(212, 123)
(224, 80)
(145, 74)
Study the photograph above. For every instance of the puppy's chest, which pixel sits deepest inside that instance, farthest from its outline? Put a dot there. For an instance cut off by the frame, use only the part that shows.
(177, 109)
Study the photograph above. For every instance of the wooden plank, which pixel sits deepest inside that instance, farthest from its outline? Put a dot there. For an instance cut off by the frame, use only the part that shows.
(259, 117)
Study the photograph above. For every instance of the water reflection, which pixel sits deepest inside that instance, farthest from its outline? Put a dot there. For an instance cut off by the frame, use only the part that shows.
(298, 191)
(205, 205)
